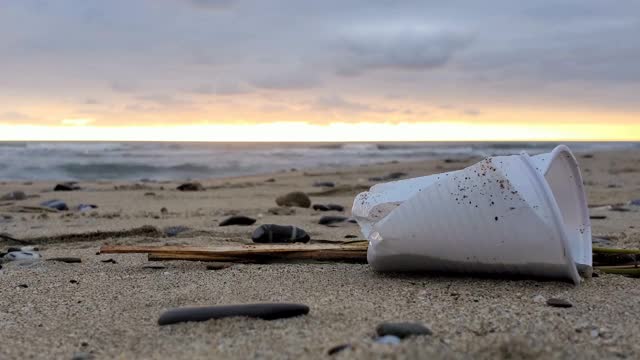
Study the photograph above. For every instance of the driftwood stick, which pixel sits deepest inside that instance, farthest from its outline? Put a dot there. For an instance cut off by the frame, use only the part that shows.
(250, 253)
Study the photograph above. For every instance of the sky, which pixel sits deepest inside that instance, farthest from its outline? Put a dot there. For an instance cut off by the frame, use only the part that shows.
(291, 70)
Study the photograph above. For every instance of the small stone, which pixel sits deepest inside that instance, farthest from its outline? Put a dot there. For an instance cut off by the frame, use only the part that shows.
(539, 299)
(324, 184)
(281, 211)
(164, 211)
(260, 311)
(338, 348)
(388, 340)
(21, 255)
(270, 180)
(218, 266)
(328, 207)
(329, 220)
(150, 193)
(56, 204)
(172, 231)
(597, 217)
(271, 233)
(24, 286)
(238, 220)
(193, 186)
(402, 329)
(73, 281)
(68, 260)
(14, 196)
(296, 198)
(68, 186)
(350, 236)
(561, 303)
(112, 261)
(86, 207)
(388, 177)
(635, 202)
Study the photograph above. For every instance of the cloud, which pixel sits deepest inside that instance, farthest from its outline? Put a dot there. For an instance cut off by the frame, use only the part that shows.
(212, 4)
(15, 116)
(385, 46)
(224, 88)
(122, 86)
(286, 81)
(334, 102)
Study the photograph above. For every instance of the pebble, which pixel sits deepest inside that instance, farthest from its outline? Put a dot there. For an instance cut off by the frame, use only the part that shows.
(402, 329)
(260, 311)
(150, 193)
(193, 186)
(172, 231)
(164, 211)
(21, 255)
(218, 266)
(238, 220)
(324, 184)
(561, 303)
(329, 220)
(56, 204)
(14, 195)
(338, 348)
(539, 299)
(388, 340)
(296, 198)
(350, 236)
(86, 207)
(68, 260)
(270, 180)
(281, 211)
(271, 233)
(112, 261)
(391, 176)
(328, 207)
(68, 186)
(597, 217)
(635, 202)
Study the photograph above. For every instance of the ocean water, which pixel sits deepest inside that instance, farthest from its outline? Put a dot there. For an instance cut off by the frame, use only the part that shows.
(179, 161)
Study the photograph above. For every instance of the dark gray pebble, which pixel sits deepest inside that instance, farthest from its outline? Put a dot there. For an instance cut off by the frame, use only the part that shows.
(238, 220)
(329, 220)
(112, 261)
(328, 207)
(24, 286)
(338, 348)
(69, 186)
(194, 186)
(597, 217)
(402, 329)
(68, 260)
(388, 177)
(350, 236)
(260, 311)
(635, 202)
(56, 204)
(324, 184)
(271, 233)
(561, 303)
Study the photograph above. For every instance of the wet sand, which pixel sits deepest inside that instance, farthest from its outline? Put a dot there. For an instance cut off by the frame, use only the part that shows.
(111, 310)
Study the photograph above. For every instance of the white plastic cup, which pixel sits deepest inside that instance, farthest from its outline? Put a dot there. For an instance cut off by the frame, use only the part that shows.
(517, 215)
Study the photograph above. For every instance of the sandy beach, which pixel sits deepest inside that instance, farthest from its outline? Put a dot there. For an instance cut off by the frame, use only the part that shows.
(109, 310)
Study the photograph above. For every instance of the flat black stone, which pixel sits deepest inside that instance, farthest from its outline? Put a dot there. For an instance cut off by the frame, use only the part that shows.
(271, 233)
(561, 303)
(260, 311)
(238, 220)
(66, 187)
(68, 260)
(324, 184)
(328, 220)
(597, 217)
(112, 261)
(191, 187)
(402, 329)
(328, 207)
